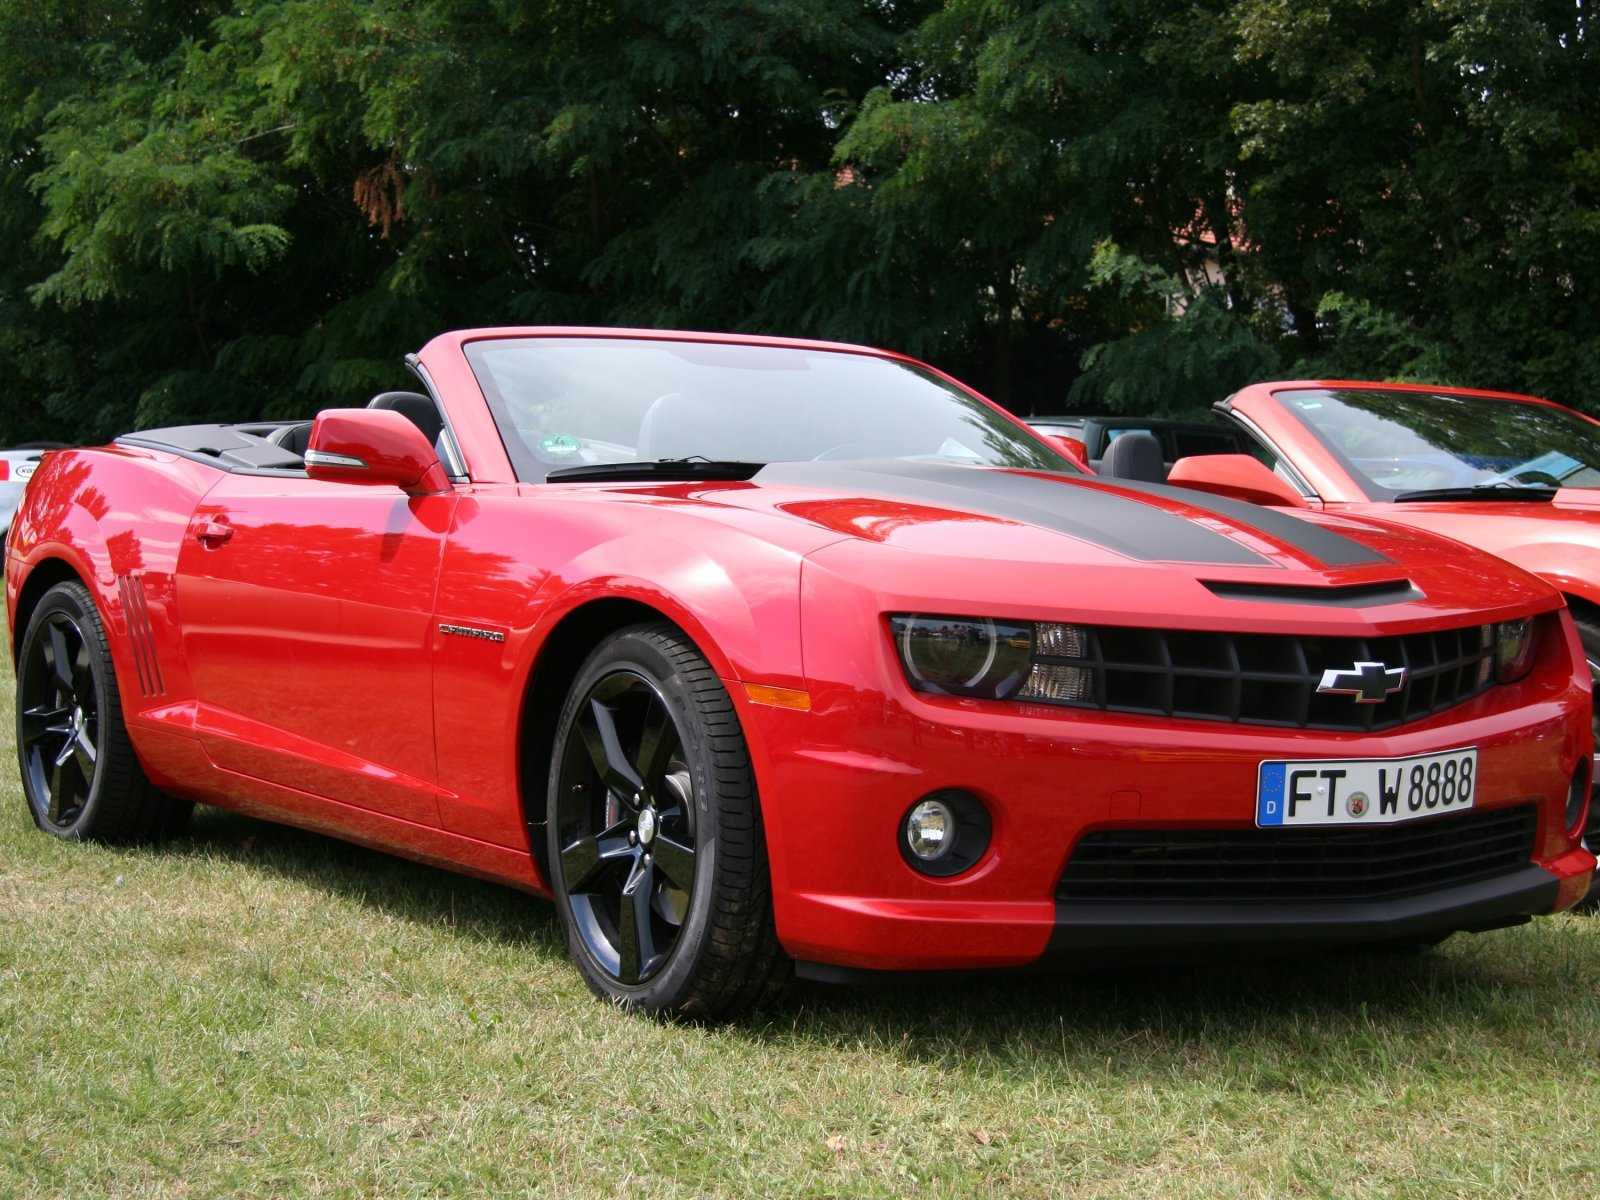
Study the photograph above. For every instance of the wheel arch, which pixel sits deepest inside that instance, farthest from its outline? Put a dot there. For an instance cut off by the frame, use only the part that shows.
(561, 653)
(41, 577)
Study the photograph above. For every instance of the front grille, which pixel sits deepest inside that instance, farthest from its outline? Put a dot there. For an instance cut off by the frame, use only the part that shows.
(1268, 679)
(1326, 863)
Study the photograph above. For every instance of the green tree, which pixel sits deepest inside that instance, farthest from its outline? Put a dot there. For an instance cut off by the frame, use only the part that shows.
(217, 211)
(1424, 186)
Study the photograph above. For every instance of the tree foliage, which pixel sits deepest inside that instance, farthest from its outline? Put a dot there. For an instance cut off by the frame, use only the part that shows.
(212, 211)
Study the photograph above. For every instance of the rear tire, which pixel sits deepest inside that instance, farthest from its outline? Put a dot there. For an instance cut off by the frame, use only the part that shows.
(80, 775)
(657, 855)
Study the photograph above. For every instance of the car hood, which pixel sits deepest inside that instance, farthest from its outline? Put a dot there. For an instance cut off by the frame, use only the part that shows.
(1028, 540)
(1559, 539)
(1584, 499)
(1500, 526)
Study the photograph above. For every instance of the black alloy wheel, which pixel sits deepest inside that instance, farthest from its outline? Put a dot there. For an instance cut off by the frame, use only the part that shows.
(58, 721)
(655, 846)
(80, 774)
(625, 808)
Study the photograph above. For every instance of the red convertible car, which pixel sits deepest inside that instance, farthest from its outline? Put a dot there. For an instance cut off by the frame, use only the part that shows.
(1515, 475)
(755, 653)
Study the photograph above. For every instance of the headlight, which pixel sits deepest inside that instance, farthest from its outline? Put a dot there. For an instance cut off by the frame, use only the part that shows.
(1514, 646)
(995, 660)
(964, 656)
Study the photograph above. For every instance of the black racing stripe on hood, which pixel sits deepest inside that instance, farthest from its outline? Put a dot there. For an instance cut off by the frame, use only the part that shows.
(1323, 544)
(1118, 523)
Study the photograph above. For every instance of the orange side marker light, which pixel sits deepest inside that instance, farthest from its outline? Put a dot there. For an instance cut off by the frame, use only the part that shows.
(778, 697)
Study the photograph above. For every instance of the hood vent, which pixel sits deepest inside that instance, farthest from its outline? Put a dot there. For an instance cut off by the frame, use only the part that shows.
(1352, 595)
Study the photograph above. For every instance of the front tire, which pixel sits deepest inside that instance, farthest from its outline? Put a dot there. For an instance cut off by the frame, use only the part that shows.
(657, 856)
(80, 775)
(1589, 635)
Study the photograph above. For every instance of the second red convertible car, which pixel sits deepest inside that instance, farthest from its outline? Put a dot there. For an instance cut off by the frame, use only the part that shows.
(1515, 475)
(754, 652)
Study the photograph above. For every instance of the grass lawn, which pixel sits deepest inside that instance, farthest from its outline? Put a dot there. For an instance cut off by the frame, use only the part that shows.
(260, 1012)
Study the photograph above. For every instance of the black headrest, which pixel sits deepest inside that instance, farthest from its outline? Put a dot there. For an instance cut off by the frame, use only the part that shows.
(293, 438)
(420, 410)
(1135, 454)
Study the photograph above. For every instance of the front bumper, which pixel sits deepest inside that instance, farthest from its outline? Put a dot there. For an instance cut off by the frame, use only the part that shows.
(1100, 935)
(836, 780)
(1494, 903)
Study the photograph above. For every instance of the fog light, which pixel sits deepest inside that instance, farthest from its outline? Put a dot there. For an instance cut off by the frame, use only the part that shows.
(1577, 797)
(945, 832)
(931, 830)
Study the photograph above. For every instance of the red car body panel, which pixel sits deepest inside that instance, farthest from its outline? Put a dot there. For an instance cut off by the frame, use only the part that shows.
(1559, 541)
(291, 665)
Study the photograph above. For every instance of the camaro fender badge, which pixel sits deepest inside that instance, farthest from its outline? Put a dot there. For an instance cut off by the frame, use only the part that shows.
(1368, 682)
(472, 631)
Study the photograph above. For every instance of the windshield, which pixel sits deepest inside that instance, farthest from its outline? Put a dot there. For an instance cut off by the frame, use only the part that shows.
(570, 402)
(1394, 443)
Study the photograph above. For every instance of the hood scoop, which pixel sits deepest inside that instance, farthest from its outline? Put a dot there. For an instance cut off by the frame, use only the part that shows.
(1350, 595)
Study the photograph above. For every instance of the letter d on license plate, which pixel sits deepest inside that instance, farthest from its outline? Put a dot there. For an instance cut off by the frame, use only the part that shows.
(1365, 791)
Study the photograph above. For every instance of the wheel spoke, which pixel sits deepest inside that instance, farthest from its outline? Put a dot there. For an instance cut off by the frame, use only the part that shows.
(61, 661)
(583, 860)
(635, 942)
(676, 862)
(43, 721)
(82, 677)
(57, 779)
(84, 753)
(655, 742)
(599, 730)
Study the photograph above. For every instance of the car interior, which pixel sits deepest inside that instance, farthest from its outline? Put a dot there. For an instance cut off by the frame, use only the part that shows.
(1173, 441)
(1135, 454)
(280, 446)
(420, 410)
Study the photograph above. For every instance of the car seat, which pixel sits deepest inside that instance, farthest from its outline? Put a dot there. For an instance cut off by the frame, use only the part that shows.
(1134, 455)
(420, 410)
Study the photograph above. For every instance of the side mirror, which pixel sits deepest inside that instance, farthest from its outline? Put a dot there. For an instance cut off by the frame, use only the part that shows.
(376, 446)
(1071, 447)
(1236, 475)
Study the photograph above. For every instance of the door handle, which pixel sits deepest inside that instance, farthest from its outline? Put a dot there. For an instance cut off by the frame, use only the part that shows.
(214, 532)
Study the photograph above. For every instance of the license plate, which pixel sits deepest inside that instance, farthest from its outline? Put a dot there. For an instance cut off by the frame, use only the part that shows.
(1365, 791)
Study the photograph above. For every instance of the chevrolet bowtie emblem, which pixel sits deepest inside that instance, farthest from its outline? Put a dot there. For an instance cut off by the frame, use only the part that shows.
(1368, 682)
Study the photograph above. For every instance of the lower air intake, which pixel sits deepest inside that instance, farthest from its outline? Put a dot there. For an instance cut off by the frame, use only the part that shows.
(1337, 863)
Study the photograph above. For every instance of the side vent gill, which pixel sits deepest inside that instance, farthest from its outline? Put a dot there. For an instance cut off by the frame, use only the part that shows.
(136, 611)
